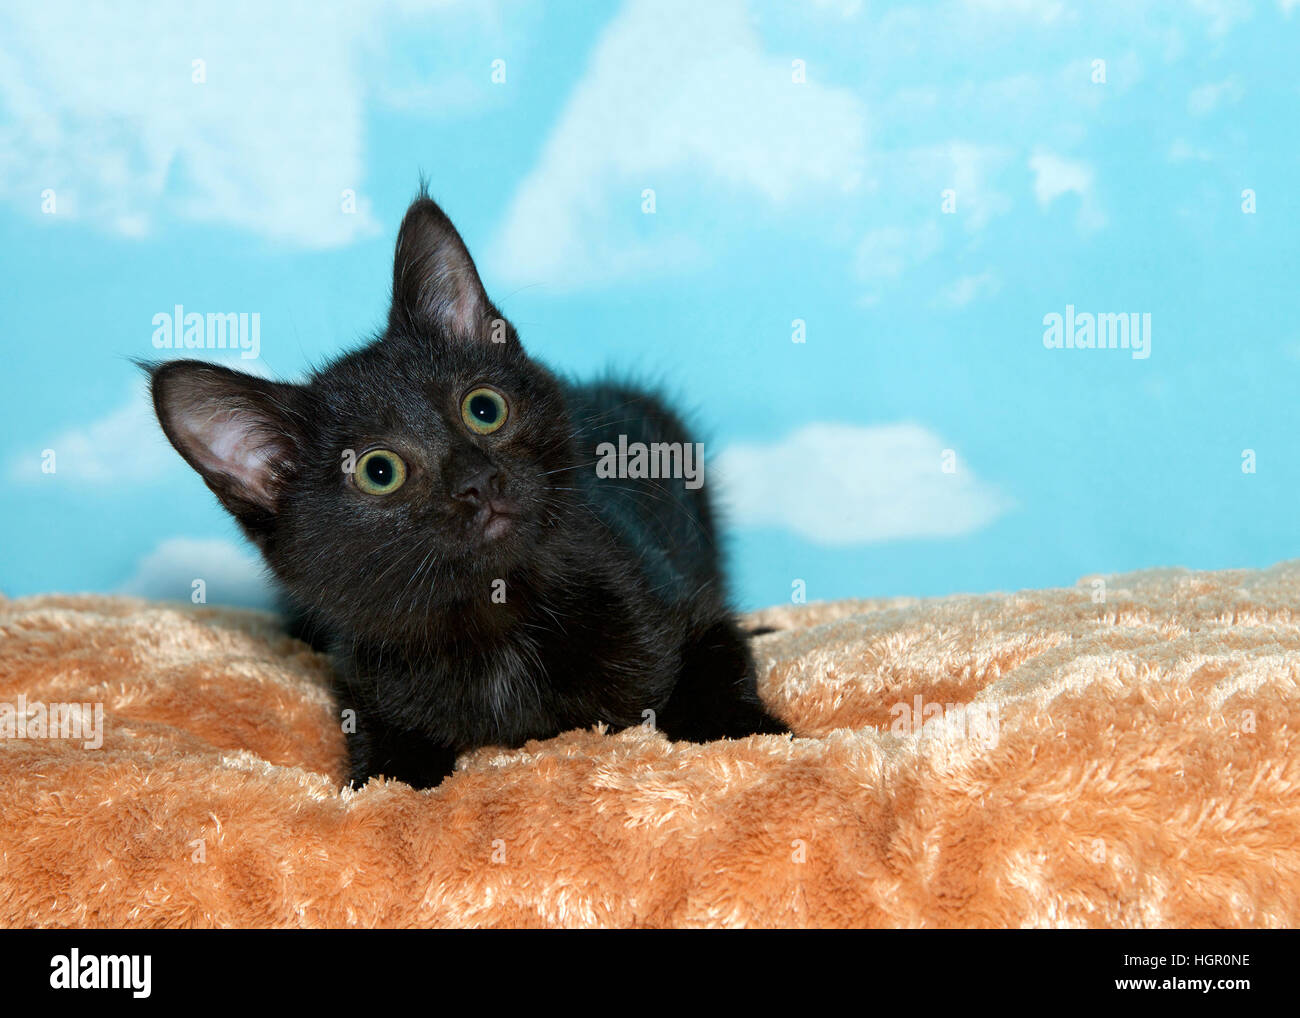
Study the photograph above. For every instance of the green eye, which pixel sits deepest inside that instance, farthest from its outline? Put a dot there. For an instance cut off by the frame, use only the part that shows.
(380, 472)
(483, 410)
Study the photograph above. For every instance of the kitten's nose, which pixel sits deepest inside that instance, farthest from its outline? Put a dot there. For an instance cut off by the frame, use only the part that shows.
(479, 488)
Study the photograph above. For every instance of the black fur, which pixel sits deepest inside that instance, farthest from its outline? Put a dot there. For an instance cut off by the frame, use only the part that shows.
(614, 601)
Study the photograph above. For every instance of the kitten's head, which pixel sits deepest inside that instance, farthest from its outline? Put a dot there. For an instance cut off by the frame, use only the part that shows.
(404, 477)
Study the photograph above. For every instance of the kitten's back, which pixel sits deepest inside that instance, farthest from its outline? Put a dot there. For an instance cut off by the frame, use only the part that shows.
(669, 524)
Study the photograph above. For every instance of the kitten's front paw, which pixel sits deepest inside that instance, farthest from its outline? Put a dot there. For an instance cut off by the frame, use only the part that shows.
(716, 696)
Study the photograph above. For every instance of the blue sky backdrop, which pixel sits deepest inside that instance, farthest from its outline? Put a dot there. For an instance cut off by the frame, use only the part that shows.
(918, 184)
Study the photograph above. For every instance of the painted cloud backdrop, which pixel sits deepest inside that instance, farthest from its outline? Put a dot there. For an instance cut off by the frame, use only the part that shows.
(831, 229)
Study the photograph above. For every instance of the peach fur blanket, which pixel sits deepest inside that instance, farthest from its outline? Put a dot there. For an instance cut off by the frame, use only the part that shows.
(1128, 757)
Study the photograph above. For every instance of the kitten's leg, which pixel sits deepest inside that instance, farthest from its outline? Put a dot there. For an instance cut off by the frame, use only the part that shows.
(716, 696)
(405, 756)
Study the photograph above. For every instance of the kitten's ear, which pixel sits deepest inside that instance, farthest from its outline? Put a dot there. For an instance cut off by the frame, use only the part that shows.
(241, 433)
(435, 284)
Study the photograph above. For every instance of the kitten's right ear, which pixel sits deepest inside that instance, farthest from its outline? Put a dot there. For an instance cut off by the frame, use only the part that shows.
(436, 287)
(243, 434)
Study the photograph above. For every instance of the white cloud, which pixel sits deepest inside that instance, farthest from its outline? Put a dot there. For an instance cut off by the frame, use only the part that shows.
(845, 8)
(965, 168)
(124, 445)
(841, 484)
(1055, 176)
(98, 103)
(674, 92)
(1222, 15)
(884, 254)
(888, 253)
(230, 573)
(1205, 99)
(923, 174)
(1045, 11)
(970, 288)
(1182, 151)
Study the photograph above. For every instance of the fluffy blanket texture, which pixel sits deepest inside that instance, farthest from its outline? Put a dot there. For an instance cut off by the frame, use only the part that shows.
(1118, 754)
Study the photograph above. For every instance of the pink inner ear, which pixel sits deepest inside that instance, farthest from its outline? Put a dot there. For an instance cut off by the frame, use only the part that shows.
(238, 443)
(467, 312)
(452, 295)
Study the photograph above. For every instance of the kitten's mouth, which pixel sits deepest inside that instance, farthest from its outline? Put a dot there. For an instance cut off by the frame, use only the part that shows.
(495, 521)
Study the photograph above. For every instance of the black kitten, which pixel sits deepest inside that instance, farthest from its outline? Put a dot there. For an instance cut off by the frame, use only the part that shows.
(431, 507)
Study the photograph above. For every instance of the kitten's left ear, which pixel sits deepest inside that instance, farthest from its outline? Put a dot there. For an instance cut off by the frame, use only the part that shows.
(435, 284)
